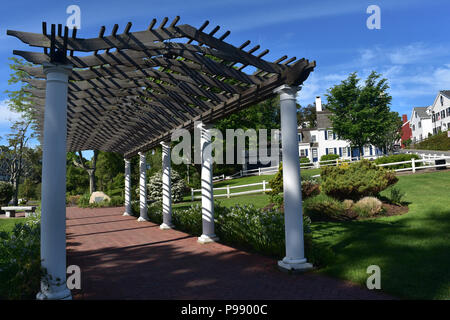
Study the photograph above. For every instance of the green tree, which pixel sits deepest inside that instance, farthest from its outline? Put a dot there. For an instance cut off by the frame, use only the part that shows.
(361, 112)
(307, 115)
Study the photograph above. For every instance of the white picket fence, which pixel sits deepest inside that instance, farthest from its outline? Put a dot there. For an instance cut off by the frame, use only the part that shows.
(428, 163)
(229, 189)
(427, 160)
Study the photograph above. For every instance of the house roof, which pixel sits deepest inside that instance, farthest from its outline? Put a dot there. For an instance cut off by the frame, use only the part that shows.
(445, 93)
(421, 112)
(323, 119)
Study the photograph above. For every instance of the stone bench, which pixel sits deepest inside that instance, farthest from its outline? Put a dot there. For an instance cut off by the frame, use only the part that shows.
(11, 211)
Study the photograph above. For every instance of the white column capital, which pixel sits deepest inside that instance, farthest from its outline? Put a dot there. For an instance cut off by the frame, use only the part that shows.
(127, 160)
(287, 92)
(141, 154)
(204, 125)
(165, 144)
(57, 68)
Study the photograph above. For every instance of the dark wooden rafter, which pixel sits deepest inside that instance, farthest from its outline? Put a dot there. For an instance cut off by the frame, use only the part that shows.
(136, 88)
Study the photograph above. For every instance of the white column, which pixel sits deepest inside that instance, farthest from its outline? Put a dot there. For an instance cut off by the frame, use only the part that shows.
(293, 211)
(166, 188)
(127, 188)
(208, 234)
(143, 216)
(53, 216)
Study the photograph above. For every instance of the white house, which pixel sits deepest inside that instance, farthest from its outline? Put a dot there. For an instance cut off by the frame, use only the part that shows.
(319, 141)
(440, 115)
(420, 123)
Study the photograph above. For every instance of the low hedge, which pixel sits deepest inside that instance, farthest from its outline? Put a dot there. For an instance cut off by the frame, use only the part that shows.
(326, 159)
(398, 158)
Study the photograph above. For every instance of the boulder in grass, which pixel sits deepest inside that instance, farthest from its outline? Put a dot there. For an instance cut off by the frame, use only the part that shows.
(98, 196)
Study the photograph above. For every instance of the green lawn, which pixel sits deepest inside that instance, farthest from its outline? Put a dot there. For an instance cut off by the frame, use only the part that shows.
(7, 224)
(412, 250)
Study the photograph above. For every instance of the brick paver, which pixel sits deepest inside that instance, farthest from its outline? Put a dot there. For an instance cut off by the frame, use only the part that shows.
(121, 258)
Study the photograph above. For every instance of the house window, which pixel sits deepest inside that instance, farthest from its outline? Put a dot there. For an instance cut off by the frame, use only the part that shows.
(313, 138)
(330, 150)
(314, 153)
(448, 112)
(302, 153)
(414, 127)
(330, 135)
(299, 137)
(442, 100)
(420, 124)
(420, 137)
(442, 114)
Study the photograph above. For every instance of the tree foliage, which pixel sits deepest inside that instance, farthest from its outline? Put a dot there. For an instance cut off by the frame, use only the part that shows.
(361, 113)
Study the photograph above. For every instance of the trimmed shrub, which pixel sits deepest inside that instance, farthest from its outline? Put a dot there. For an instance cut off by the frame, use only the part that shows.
(310, 187)
(304, 160)
(6, 192)
(326, 159)
(20, 261)
(155, 186)
(398, 158)
(368, 207)
(356, 180)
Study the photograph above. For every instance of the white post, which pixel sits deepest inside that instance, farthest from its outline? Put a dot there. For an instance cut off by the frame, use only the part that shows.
(264, 185)
(166, 189)
(259, 171)
(293, 211)
(143, 215)
(127, 188)
(53, 217)
(228, 191)
(192, 194)
(413, 165)
(208, 234)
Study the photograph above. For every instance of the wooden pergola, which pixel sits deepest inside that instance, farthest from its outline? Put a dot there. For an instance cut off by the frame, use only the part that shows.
(129, 92)
(135, 88)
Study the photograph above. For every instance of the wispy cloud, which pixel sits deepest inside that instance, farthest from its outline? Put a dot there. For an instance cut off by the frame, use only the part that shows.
(7, 116)
(409, 79)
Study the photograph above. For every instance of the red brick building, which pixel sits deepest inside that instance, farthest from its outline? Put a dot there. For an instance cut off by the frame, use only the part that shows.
(406, 130)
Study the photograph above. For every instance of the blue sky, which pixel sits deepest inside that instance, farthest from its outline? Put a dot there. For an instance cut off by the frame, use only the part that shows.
(412, 48)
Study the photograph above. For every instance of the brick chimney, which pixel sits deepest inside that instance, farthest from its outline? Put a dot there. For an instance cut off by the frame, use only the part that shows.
(318, 104)
(404, 118)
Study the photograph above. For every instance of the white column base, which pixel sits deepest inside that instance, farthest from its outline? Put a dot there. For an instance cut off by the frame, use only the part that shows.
(165, 226)
(126, 214)
(142, 219)
(203, 239)
(64, 294)
(295, 265)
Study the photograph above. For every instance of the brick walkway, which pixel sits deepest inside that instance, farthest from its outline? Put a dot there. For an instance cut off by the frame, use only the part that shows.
(121, 258)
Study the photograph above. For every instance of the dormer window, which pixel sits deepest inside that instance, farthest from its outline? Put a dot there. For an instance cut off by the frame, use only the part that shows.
(442, 100)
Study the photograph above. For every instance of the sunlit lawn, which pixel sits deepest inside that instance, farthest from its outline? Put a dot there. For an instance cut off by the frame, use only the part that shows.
(412, 250)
